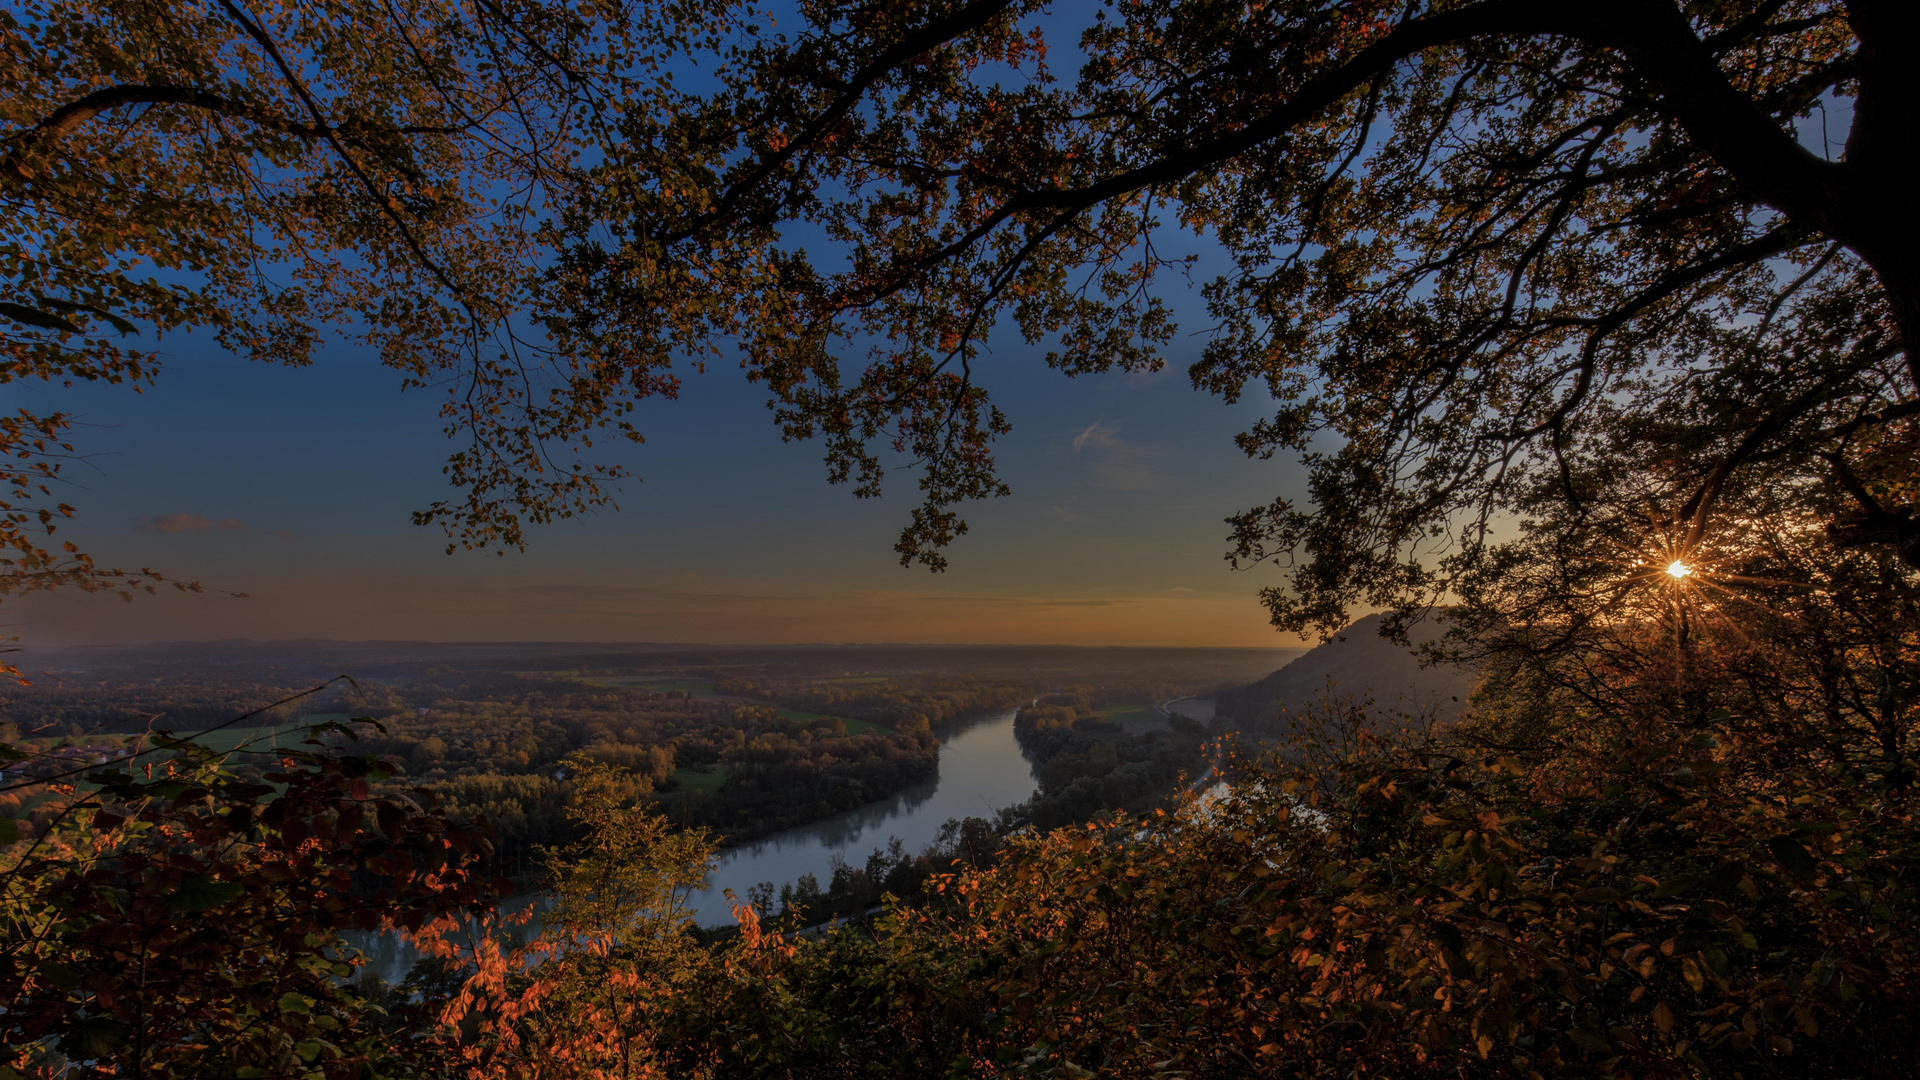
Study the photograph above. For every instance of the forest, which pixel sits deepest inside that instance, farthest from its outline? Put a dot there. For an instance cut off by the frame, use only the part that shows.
(498, 751)
(741, 742)
(1583, 340)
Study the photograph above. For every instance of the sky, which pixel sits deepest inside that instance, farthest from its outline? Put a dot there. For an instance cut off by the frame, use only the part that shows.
(295, 486)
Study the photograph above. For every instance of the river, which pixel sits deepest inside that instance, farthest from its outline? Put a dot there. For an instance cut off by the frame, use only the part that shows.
(981, 771)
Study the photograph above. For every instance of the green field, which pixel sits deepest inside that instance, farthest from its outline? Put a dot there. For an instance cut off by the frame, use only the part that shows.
(253, 740)
(258, 739)
(704, 781)
(694, 688)
(261, 740)
(1133, 715)
(854, 727)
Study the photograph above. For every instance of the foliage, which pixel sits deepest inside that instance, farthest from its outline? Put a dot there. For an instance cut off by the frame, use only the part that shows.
(267, 172)
(1585, 875)
(910, 705)
(1088, 767)
(1449, 917)
(181, 919)
(1487, 256)
(617, 957)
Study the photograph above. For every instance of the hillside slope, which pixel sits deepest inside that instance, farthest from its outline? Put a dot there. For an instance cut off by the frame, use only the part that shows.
(1357, 663)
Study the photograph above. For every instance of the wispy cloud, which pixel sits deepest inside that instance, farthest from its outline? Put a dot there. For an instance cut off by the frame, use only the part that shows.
(1097, 434)
(1117, 463)
(189, 523)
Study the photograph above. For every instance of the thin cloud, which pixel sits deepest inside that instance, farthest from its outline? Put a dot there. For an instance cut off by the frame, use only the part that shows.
(1096, 434)
(189, 523)
(1117, 463)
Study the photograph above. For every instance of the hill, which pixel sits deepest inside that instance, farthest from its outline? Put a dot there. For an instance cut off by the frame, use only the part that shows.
(1357, 663)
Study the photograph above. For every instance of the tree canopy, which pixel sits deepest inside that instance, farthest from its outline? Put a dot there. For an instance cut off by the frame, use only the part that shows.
(268, 172)
(1517, 276)
(1607, 269)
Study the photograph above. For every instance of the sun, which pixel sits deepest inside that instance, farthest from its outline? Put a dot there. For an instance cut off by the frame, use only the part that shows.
(1677, 570)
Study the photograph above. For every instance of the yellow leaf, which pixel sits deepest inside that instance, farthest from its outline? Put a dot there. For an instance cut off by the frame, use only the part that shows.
(1690, 971)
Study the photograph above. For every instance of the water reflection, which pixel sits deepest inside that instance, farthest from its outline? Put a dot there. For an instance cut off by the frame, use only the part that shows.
(390, 956)
(981, 772)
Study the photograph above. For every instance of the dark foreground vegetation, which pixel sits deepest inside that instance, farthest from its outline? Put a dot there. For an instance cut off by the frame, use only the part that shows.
(1680, 863)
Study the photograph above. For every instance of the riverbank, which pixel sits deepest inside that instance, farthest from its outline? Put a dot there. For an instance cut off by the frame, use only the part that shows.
(981, 771)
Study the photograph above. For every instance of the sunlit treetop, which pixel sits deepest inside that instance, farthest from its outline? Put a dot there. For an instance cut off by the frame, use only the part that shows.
(1599, 267)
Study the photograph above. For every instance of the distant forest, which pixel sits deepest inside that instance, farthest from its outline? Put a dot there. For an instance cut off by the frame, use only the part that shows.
(743, 742)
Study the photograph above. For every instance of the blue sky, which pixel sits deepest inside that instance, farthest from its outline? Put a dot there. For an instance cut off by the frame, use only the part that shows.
(295, 486)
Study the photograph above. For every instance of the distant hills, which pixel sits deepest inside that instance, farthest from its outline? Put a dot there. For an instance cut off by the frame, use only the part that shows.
(284, 663)
(1357, 663)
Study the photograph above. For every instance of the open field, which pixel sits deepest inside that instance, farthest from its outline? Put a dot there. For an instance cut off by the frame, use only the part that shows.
(703, 690)
(254, 739)
(257, 740)
(854, 727)
(1134, 717)
(704, 781)
(693, 688)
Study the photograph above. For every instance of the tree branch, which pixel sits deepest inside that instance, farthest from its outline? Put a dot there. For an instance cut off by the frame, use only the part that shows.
(66, 119)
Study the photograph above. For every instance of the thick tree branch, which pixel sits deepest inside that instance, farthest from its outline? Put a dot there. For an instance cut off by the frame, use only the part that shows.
(1763, 157)
(69, 117)
(930, 37)
(387, 204)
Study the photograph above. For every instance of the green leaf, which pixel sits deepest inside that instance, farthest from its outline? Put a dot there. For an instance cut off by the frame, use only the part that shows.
(59, 975)
(1790, 854)
(1674, 886)
(93, 1038)
(1587, 1040)
(293, 1003)
(198, 892)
